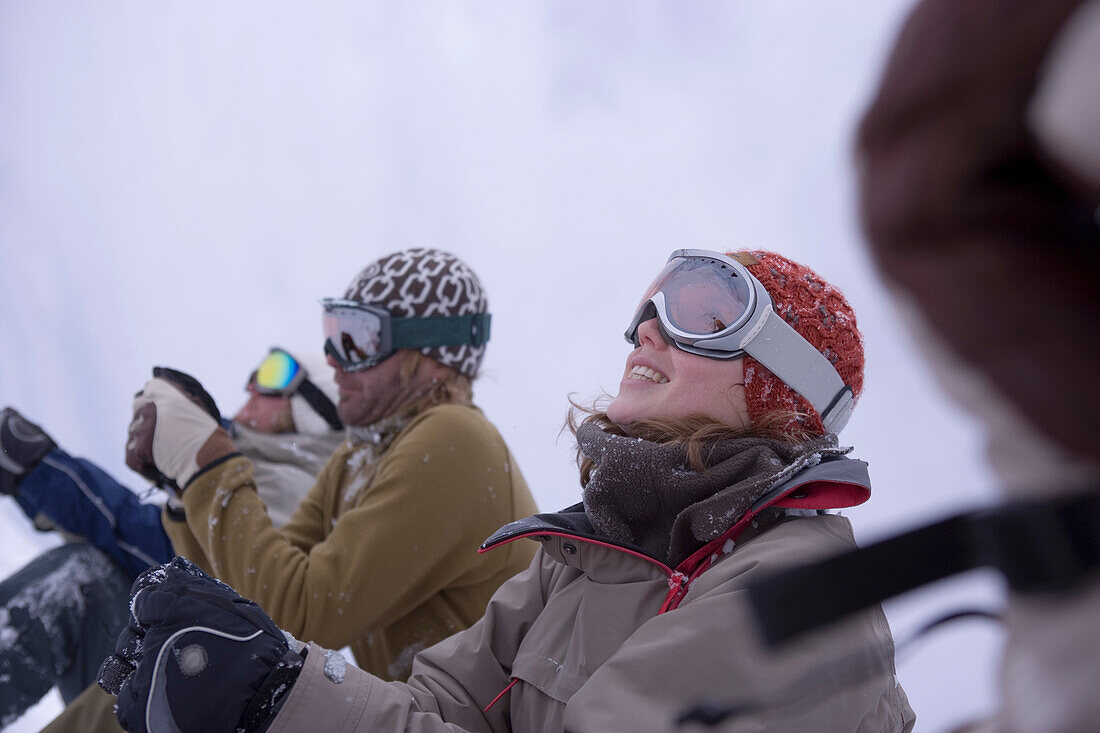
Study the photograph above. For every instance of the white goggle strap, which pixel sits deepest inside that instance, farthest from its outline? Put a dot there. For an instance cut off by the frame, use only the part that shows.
(803, 368)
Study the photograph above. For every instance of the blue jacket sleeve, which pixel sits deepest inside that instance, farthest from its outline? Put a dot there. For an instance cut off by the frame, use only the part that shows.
(80, 498)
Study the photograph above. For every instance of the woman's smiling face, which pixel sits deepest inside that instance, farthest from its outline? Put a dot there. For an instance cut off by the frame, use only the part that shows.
(663, 382)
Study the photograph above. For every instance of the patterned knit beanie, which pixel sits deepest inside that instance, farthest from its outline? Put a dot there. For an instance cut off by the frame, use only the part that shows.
(415, 283)
(821, 315)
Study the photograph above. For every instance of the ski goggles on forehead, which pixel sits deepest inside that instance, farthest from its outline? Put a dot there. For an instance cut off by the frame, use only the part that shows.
(359, 336)
(280, 374)
(709, 304)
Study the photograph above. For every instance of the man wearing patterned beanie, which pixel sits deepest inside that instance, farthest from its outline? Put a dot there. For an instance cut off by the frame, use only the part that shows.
(381, 555)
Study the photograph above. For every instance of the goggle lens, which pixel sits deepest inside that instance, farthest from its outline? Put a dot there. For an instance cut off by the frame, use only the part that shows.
(702, 296)
(354, 335)
(277, 371)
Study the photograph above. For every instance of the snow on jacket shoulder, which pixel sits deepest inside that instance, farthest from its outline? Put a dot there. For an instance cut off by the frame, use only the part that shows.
(581, 636)
(381, 553)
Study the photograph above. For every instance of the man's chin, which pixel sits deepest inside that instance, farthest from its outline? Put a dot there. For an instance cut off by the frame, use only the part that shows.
(352, 415)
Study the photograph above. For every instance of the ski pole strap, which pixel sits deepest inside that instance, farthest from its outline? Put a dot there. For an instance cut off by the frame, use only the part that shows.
(1040, 546)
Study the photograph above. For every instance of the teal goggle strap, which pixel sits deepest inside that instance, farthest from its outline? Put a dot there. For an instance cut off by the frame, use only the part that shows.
(421, 333)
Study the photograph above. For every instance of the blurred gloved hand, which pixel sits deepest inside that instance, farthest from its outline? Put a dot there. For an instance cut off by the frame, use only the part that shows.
(22, 445)
(196, 656)
(173, 418)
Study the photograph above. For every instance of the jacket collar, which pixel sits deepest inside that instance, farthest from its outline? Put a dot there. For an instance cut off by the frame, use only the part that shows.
(834, 483)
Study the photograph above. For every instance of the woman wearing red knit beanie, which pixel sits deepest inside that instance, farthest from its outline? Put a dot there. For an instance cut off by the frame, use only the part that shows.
(715, 464)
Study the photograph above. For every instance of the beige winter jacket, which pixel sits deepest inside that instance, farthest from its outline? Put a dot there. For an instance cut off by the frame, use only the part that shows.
(580, 635)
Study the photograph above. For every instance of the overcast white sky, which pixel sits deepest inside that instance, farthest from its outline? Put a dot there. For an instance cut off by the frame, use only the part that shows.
(180, 184)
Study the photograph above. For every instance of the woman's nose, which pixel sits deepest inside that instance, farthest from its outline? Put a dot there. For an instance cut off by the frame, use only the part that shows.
(649, 332)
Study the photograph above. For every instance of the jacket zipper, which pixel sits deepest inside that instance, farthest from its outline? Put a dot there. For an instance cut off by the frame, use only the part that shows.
(678, 583)
(501, 694)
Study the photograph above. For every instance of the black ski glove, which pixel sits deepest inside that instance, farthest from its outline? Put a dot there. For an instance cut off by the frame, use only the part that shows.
(197, 656)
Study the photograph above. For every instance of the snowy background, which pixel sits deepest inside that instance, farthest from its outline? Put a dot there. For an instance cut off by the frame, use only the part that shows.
(180, 183)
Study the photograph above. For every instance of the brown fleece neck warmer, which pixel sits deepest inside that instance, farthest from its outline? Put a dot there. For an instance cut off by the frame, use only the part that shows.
(646, 494)
(378, 436)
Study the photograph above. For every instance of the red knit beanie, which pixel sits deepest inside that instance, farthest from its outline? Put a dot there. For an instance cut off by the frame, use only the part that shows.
(821, 315)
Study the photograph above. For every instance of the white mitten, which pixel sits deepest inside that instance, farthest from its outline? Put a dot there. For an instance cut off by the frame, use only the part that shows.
(178, 428)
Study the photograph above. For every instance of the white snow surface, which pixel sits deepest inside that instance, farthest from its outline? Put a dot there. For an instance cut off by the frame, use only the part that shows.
(182, 182)
(58, 591)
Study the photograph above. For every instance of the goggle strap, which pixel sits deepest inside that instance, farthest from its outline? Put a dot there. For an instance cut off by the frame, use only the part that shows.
(420, 333)
(320, 403)
(801, 367)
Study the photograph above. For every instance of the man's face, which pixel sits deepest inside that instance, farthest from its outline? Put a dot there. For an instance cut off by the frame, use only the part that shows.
(371, 394)
(265, 413)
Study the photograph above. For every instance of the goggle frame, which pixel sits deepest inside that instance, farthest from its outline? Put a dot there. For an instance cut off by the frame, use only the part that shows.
(300, 374)
(761, 333)
(406, 333)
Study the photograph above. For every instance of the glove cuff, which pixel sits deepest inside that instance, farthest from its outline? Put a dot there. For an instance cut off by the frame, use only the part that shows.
(209, 467)
(267, 701)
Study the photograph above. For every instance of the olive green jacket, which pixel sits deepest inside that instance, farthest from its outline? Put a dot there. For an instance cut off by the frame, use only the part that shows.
(382, 554)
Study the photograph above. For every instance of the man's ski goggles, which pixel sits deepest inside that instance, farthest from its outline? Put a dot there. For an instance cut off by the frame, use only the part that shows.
(360, 336)
(280, 374)
(709, 304)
